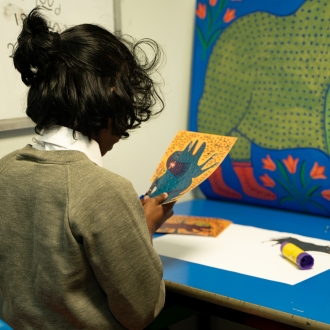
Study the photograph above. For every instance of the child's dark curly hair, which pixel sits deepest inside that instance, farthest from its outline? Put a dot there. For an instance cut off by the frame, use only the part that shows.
(85, 76)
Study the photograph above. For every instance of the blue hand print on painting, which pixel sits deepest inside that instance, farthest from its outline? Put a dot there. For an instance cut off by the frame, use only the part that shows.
(261, 73)
(181, 168)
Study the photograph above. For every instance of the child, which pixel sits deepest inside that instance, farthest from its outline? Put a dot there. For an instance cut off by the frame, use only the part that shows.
(75, 240)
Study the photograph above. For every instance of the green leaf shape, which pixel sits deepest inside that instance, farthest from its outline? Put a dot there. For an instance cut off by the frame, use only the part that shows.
(319, 206)
(286, 199)
(302, 173)
(213, 37)
(222, 5)
(284, 187)
(312, 190)
(201, 37)
(283, 170)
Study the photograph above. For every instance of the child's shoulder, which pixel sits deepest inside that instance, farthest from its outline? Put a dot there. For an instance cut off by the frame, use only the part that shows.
(5, 160)
(88, 174)
(106, 175)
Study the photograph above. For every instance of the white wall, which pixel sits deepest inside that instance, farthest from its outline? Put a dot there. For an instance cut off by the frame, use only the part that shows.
(12, 140)
(170, 23)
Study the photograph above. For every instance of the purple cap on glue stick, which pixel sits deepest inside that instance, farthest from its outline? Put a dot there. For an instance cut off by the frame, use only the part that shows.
(296, 255)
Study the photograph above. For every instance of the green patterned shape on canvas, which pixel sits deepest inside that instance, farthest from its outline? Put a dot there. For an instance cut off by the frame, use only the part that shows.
(267, 82)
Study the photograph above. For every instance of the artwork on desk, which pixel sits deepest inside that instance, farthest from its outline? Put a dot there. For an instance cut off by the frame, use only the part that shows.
(304, 245)
(190, 225)
(248, 250)
(260, 73)
(189, 160)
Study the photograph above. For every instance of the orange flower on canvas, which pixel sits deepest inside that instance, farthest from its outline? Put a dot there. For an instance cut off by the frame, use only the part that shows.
(326, 194)
(291, 164)
(268, 163)
(213, 2)
(317, 172)
(201, 11)
(229, 15)
(267, 180)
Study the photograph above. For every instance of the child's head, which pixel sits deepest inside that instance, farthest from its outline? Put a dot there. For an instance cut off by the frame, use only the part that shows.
(85, 76)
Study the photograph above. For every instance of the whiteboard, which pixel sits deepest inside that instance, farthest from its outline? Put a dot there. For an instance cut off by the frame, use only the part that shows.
(61, 14)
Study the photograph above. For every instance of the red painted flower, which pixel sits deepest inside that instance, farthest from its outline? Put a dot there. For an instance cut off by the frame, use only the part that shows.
(213, 2)
(201, 11)
(291, 164)
(326, 194)
(267, 180)
(229, 15)
(317, 172)
(268, 163)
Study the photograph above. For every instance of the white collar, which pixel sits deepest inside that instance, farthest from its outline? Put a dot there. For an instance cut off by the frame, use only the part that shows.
(60, 137)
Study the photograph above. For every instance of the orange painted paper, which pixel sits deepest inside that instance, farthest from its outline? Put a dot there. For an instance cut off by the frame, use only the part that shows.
(191, 225)
(216, 149)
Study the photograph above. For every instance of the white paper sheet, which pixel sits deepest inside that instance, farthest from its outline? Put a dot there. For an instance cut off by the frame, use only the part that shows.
(244, 249)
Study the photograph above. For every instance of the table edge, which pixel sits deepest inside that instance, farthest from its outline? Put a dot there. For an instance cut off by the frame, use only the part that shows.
(246, 307)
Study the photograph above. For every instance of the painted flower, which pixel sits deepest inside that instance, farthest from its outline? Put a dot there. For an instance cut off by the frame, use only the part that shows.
(291, 164)
(267, 180)
(229, 15)
(213, 2)
(201, 11)
(326, 194)
(268, 163)
(317, 172)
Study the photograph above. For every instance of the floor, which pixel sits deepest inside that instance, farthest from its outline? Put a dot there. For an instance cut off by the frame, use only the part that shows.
(215, 324)
(192, 323)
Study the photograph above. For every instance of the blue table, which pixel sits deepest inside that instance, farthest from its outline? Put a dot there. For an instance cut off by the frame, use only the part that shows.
(304, 305)
(4, 326)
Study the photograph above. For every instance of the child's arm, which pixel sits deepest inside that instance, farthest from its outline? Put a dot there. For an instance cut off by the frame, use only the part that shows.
(155, 212)
(110, 222)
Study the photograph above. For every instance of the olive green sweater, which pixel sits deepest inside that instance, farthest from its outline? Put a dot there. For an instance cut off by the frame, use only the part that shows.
(75, 252)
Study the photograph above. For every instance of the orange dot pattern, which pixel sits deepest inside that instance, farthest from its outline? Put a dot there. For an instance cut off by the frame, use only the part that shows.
(217, 146)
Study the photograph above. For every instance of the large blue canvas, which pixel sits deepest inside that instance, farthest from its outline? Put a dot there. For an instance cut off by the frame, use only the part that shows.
(261, 72)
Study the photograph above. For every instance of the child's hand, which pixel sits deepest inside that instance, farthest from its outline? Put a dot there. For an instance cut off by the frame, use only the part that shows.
(156, 213)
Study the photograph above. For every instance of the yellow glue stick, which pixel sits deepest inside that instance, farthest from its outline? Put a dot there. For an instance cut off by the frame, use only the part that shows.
(297, 255)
